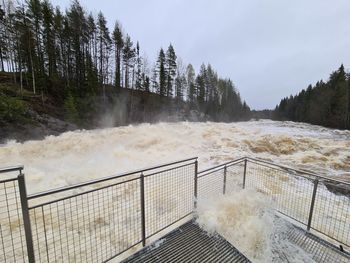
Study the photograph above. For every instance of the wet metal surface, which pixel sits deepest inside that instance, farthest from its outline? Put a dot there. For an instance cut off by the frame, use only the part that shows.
(189, 243)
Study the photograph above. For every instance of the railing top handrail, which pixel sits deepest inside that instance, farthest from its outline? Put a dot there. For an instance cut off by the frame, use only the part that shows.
(222, 165)
(285, 167)
(111, 177)
(11, 169)
(282, 166)
(307, 172)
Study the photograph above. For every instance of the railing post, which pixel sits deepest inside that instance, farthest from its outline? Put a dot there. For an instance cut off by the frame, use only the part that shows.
(143, 215)
(312, 204)
(224, 187)
(244, 172)
(26, 217)
(195, 183)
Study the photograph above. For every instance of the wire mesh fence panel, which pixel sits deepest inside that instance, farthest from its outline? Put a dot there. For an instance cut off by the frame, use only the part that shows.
(211, 184)
(234, 177)
(88, 227)
(98, 220)
(331, 215)
(12, 239)
(169, 196)
(291, 194)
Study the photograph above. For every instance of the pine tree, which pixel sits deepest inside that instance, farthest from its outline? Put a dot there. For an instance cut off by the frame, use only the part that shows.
(49, 38)
(2, 39)
(212, 94)
(128, 57)
(146, 82)
(190, 73)
(180, 80)
(162, 74)
(104, 45)
(118, 45)
(59, 42)
(76, 24)
(92, 74)
(154, 80)
(180, 83)
(326, 103)
(138, 83)
(26, 46)
(170, 70)
(35, 17)
(202, 85)
(67, 55)
(91, 48)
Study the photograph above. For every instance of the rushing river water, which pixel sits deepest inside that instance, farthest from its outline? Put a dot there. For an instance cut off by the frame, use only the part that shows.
(82, 155)
(78, 156)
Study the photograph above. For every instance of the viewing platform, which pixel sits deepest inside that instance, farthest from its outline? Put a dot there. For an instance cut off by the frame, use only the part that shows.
(189, 243)
(149, 215)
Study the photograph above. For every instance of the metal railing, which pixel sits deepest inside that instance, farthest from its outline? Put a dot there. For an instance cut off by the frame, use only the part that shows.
(15, 229)
(298, 194)
(98, 220)
(93, 221)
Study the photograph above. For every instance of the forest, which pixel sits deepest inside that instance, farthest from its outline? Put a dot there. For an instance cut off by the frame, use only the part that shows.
(326, 103)
(70, 61)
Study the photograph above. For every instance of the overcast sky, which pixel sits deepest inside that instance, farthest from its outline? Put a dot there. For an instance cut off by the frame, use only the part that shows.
(269, 48)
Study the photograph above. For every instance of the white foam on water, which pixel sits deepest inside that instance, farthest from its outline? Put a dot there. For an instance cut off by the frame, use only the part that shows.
(246, 219)
(78, 156)
(243, 218)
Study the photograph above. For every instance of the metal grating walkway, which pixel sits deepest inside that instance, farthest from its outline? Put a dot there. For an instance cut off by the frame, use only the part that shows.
(189, 243)
(319, 249)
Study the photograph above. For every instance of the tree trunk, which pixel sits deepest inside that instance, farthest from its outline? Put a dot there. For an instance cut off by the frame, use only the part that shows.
(2, 60)
(33, 75)
(126, 75)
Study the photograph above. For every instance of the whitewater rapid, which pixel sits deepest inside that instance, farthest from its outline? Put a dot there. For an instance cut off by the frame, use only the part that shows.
(74, 157)
(245, 218)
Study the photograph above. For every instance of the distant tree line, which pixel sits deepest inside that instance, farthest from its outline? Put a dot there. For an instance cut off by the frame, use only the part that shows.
(72, 56)
(326, 103)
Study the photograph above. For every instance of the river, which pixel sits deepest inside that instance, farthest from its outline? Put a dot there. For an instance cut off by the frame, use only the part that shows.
(77, 156)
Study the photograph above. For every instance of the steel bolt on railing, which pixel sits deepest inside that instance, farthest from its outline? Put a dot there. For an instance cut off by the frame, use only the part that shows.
(110, 211)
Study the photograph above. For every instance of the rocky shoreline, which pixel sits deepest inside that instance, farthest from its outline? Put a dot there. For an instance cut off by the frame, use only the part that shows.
(42, 125)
